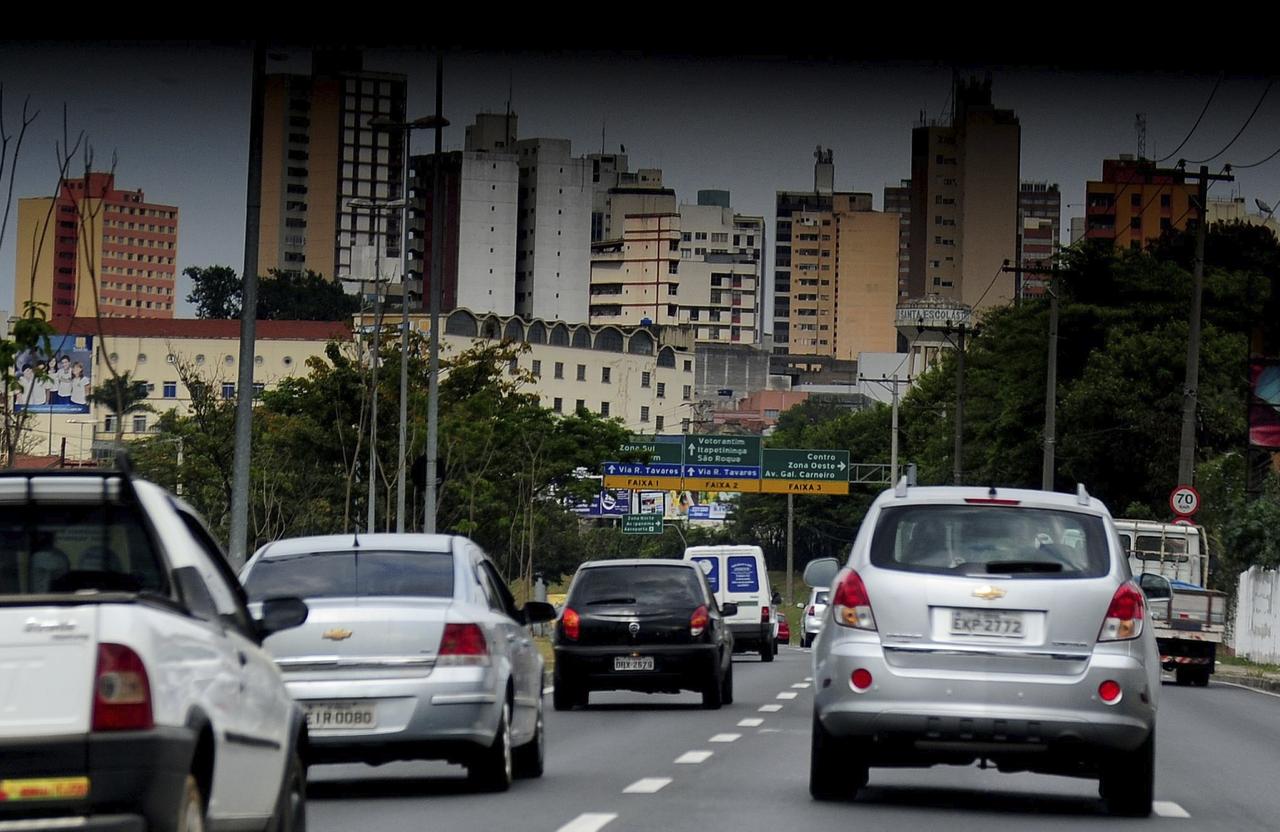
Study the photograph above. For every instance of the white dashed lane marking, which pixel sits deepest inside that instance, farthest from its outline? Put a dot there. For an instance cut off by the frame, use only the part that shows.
(787, 695)
(770, 709)
(751, 722)
(725, 738)
(692, 758)
(647, 785)
(1169, 809)
(588, 822)
(808, 678)
(800, 685)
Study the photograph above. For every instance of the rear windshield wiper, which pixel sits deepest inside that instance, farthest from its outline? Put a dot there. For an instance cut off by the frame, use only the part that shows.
(1012, 566)
(622, 600)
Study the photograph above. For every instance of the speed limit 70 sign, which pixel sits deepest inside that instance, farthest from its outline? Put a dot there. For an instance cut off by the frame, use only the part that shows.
(1184, 500)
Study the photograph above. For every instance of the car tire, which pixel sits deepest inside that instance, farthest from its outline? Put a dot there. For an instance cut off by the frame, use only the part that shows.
(491, 769)
(190, 817)
(1201, 677)
(565, 694)
(1182, 677)
(832, 776)
(528, 759)
(1128, 780)
(291, 805)
(805, 641)
(767, 649)
(726, 687)
(712, 692)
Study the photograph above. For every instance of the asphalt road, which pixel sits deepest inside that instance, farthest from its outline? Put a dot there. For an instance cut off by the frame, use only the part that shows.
(634, 762)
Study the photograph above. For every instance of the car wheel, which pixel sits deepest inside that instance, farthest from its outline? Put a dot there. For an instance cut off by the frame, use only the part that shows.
(726, 687)
(565, 694)
(767, 650)
(190, 808)
(291, 806)
(1201, 678)
(491, 770)
(1128, 780)
(832, 775)
(805, 641)
(1182, 676)
(528, 758)
(712, 692)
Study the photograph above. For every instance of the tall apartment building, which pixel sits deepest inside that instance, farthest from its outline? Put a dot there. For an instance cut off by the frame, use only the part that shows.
(964, 200)
(721, 270)
(553, 231)
(479, 226)
(1134, 203)
(636, 279)
(1039, 227)
(897, 200)
(617, 191)
(319, 151)
(130, 252)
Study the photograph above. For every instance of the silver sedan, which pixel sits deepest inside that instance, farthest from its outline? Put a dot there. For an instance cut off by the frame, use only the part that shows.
(974, 624)
(414, 649)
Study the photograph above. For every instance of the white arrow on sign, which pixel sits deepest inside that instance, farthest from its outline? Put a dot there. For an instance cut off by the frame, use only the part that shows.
(611, 469)
(842, 466)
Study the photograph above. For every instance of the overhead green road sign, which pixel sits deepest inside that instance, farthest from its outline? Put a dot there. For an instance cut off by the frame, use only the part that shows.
(717, 449)
(668, 449)
(642, 524)
(805, 471)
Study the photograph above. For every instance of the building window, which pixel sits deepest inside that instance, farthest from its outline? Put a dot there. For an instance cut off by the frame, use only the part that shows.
(514, 366)
(688, 366)
(537, 368)
(582, 372)
(1165, 200)
(258, 387)
(109, 424)
(228, 390)
(171, 389)
(579, 405)
(604, 375)
(644, 379)
(657, 423)
(644, 414)
(688, 392)
(139, 424)
(604, 409)
(559, 369)
(558, 405)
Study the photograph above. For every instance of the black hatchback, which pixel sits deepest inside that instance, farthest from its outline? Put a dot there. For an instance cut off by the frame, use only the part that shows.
(644, 625)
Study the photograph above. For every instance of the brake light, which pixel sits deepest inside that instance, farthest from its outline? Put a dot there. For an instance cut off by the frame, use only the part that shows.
(570, 624)
(852, 604)
(122, 693)
(764, 615)
(462, 644)
(698, 621)
(809, 611)
(1109, 692)
(1124, 616)
(991, 501)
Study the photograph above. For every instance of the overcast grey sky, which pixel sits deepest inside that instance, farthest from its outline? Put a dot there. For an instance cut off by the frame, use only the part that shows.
(177, 116)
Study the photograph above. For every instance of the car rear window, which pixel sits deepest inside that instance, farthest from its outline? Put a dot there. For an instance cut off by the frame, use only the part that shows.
(361, 573)
(820, 597)
(1014, 540)
(640, 586)
(48, 548)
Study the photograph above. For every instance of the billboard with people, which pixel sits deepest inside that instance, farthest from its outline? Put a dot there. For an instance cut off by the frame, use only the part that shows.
(59, 381)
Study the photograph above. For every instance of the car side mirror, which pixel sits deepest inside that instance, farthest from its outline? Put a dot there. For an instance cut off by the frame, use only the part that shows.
(538, 612)
(281, 614)
(777, 598)
(729, 608)
(1155, 587)
(799, 606)
(821, 572)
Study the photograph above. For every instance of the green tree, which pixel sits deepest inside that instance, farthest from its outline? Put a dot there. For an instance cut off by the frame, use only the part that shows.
(303, 296)
(123, 395)
(216, 291)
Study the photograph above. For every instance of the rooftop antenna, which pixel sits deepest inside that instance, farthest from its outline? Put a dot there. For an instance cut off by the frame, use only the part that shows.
(1140, 125)
(507, 137)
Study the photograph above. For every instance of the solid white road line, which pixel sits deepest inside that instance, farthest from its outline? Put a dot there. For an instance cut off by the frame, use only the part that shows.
(725, 738)
(770, 709)
(1246, 687)
(692, 758)
(588, 822)
(751, 722)
(787, 695)
(647, 785)
(1169, 809)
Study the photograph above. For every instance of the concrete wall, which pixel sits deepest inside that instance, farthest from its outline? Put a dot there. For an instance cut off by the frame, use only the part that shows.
(1257, 625)
(487, 259)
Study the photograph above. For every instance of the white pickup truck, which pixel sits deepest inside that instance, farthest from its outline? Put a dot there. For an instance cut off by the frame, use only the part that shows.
(1171, 563)
(134, 694)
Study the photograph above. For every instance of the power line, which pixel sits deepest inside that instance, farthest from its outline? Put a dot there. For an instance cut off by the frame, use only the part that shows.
(1273, 154)
(1256, 107)
(1191, 133)
(994, 278)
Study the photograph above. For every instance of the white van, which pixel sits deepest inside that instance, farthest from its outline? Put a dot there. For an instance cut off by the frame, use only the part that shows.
(737, 575)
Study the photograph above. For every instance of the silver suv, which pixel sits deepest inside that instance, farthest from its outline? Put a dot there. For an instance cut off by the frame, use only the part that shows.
(815, 612)
(974, 624)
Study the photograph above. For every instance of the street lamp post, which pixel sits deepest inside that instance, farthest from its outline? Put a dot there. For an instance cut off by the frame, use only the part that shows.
(82, 423)
(382, 123)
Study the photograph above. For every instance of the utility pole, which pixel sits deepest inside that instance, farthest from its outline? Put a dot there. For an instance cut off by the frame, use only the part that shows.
(1051, 375)
(791, 543)
(893, 438)
(958, 466)
(248, 320)
(437, 269)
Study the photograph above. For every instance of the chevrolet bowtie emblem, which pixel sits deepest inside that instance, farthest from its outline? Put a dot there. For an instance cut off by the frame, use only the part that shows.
(988, 592)
(634, 628)
(339, 634)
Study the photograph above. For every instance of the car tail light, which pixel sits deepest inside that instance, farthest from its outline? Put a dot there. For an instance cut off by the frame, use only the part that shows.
(1109, 692)
(698, 621)
(1124, 616)
(852, 604)
(122, 693)
(764, 615)
(860, 680)
(570, 624)
(463, 644)
(809, 611)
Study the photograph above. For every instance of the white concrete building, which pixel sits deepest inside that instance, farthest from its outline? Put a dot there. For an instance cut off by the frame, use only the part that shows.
(720, 270)
(553, 236)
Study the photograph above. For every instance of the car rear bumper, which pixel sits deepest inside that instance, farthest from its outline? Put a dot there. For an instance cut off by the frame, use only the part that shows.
(444, 715)
(676, 667)
(929, 712)
(135, 779)
(751, 636)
